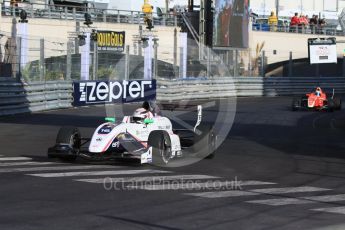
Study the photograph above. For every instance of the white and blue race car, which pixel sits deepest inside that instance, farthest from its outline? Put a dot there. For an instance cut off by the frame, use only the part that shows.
(145, 136)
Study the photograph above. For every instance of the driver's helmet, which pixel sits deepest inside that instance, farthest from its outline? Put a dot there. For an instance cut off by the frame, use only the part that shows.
(139, 115)
(318, 91)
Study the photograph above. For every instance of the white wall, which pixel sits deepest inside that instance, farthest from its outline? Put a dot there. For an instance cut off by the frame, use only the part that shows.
(56, 33)
(283, 43)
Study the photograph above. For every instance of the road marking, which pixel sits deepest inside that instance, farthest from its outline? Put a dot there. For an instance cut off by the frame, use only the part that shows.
(189, 185)
(289, 190)
(56, 168)
(152, 179)
(98, 173)
(15, 158)
(254, 182)
(336, 210)
(231, 193)
(28, 163)
(300, 200)
(265, 191)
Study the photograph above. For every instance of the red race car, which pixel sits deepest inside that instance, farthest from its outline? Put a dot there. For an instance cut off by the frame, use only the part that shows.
(317, 100)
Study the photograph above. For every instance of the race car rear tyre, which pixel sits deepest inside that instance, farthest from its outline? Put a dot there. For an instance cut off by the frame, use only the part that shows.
(337, 103)
(296, 103)
(160, 142)
(71, 136)
(330, 105)
(205, 142)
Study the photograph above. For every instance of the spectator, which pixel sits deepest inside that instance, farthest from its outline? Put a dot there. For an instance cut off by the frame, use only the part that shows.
(295, 21)
(273, 22)
(313, 24)
(303, 22)
(322, 25)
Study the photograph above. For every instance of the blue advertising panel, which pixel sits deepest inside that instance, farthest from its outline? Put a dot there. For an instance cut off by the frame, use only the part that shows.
(103, 92)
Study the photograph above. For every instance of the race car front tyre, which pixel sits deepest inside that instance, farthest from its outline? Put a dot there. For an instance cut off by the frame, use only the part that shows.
(160, 142)
(204, 142)
(70, 136)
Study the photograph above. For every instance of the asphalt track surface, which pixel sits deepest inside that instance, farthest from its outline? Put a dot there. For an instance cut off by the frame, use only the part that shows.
(286, 170)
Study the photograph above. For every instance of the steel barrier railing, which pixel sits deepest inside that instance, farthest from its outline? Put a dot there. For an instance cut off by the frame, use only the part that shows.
(20, 98)
(65, 12)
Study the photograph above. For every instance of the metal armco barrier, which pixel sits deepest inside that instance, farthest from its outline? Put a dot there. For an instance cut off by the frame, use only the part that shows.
(175, 90)
(22, 98)
(18, 98)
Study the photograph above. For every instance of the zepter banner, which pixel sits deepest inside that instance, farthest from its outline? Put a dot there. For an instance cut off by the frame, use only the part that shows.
(101, 92)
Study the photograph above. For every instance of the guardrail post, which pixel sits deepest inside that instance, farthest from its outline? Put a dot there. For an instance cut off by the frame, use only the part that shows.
(32, 10)
(164, 20)
(139, 18)
(69, 60)
(236, 62)
(343, 66)
(74, 14)
(94, 61)
(175, 53)
(262, 68)
(104, 15)
(18, 57)
(140, 44)
(290, 64)
(42, 60)
(77, 30)
(66, 13)
(181, 63)
(155, 67)
(14, 12)
(127, 61)
(49, 13)
(208, 66)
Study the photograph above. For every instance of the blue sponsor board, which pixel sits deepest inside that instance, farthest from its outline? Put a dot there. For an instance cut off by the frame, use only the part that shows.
(102, 92)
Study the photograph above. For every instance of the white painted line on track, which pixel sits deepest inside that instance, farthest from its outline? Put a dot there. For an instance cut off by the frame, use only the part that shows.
(189, 185)
(280, 202)
(28, 163)
(265, 191)
(336, 210)
(254, 182)
(221, 194)
(300, 200)
(56, 168)
(98, 173)
(289, 190)
(15, 158)
(152, 179)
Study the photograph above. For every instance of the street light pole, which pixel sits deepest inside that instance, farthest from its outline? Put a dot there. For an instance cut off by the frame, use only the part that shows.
(277, 8)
